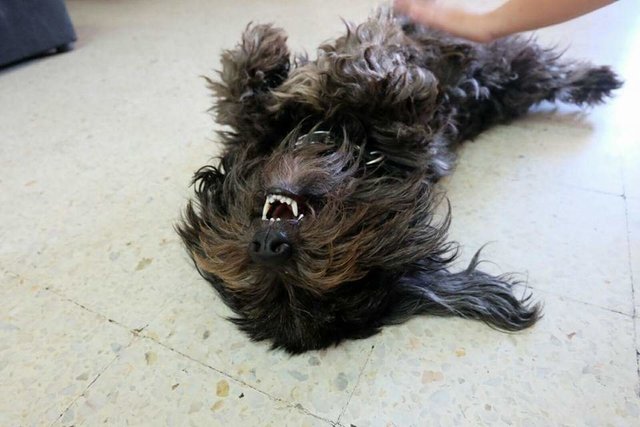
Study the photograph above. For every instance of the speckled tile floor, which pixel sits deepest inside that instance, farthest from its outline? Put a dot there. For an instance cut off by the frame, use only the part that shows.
(103, 319)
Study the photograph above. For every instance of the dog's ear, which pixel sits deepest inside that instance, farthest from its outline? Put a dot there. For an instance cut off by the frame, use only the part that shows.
(469, 294)
(258, 64)
(208, 182)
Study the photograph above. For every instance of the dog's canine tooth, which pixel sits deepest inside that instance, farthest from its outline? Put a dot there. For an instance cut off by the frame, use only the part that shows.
(294, 207)
(265, 209)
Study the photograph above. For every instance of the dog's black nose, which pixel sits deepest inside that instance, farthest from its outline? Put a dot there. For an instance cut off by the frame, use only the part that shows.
(271, 247)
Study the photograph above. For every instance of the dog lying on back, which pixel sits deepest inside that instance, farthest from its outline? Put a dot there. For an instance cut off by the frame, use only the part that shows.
(318, 224)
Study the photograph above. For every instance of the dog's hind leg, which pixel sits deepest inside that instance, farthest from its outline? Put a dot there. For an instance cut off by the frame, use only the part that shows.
(258, 64)
(509, 76)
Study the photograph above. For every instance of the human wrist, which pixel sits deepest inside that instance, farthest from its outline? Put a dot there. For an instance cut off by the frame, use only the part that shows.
(478, 27)
(491, 26)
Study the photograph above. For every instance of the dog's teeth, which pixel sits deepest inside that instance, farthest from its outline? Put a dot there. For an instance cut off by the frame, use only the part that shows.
(265, 209)
(294, 207)
(271, 219)
(300, 217)
(277, 219)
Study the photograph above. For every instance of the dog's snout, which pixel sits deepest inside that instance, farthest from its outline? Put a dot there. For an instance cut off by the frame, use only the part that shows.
(270, 247)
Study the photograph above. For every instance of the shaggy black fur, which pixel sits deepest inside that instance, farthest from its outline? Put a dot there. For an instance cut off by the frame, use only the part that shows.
(356, 139)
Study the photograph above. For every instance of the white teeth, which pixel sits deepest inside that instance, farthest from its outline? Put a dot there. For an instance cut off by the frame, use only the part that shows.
(284, 199)
(271, 198)
(300, 217)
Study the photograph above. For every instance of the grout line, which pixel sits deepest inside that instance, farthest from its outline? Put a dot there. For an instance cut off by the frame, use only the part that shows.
(590, 190)
(137, 332)
(364, 366)
(611, 310)
(290, 405)
(134, 331)
(526, 285)
(633, 291)
(102, 371)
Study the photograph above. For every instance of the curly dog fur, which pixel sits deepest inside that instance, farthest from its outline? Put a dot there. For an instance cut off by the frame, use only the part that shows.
(318, 224)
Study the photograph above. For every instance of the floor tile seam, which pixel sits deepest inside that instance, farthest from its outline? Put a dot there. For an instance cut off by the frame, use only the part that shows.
(362, 369)
(636, 346)
(86, 389)
(296, 406)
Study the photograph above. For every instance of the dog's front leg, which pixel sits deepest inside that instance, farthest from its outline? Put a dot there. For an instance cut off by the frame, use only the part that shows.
(258, 64)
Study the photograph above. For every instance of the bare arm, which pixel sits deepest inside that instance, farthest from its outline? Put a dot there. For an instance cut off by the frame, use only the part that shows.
(514, 16)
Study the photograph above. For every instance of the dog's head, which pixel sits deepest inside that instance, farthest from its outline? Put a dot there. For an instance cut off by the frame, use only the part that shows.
(304, 242)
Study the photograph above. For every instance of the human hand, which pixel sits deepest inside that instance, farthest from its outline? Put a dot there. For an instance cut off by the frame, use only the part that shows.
(514, 16)
(458, 22)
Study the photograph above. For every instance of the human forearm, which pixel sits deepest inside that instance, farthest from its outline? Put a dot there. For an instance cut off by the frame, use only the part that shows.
(524, 15)
(514, 16)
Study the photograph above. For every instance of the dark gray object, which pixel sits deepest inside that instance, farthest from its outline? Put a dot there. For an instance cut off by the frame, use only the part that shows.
(29, 28)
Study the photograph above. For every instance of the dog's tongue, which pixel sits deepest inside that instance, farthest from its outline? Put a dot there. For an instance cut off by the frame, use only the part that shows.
(282, 211)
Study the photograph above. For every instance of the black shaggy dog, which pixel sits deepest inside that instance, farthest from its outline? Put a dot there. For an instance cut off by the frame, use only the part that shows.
(318, 223)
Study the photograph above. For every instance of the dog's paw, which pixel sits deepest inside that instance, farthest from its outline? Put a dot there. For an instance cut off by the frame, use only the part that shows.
(260, 62)
(265, 56)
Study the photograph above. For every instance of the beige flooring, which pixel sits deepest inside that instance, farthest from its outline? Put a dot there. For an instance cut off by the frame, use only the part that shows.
(104, 320)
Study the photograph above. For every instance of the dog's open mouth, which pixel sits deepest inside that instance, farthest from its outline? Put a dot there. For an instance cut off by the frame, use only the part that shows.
(280, 207)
